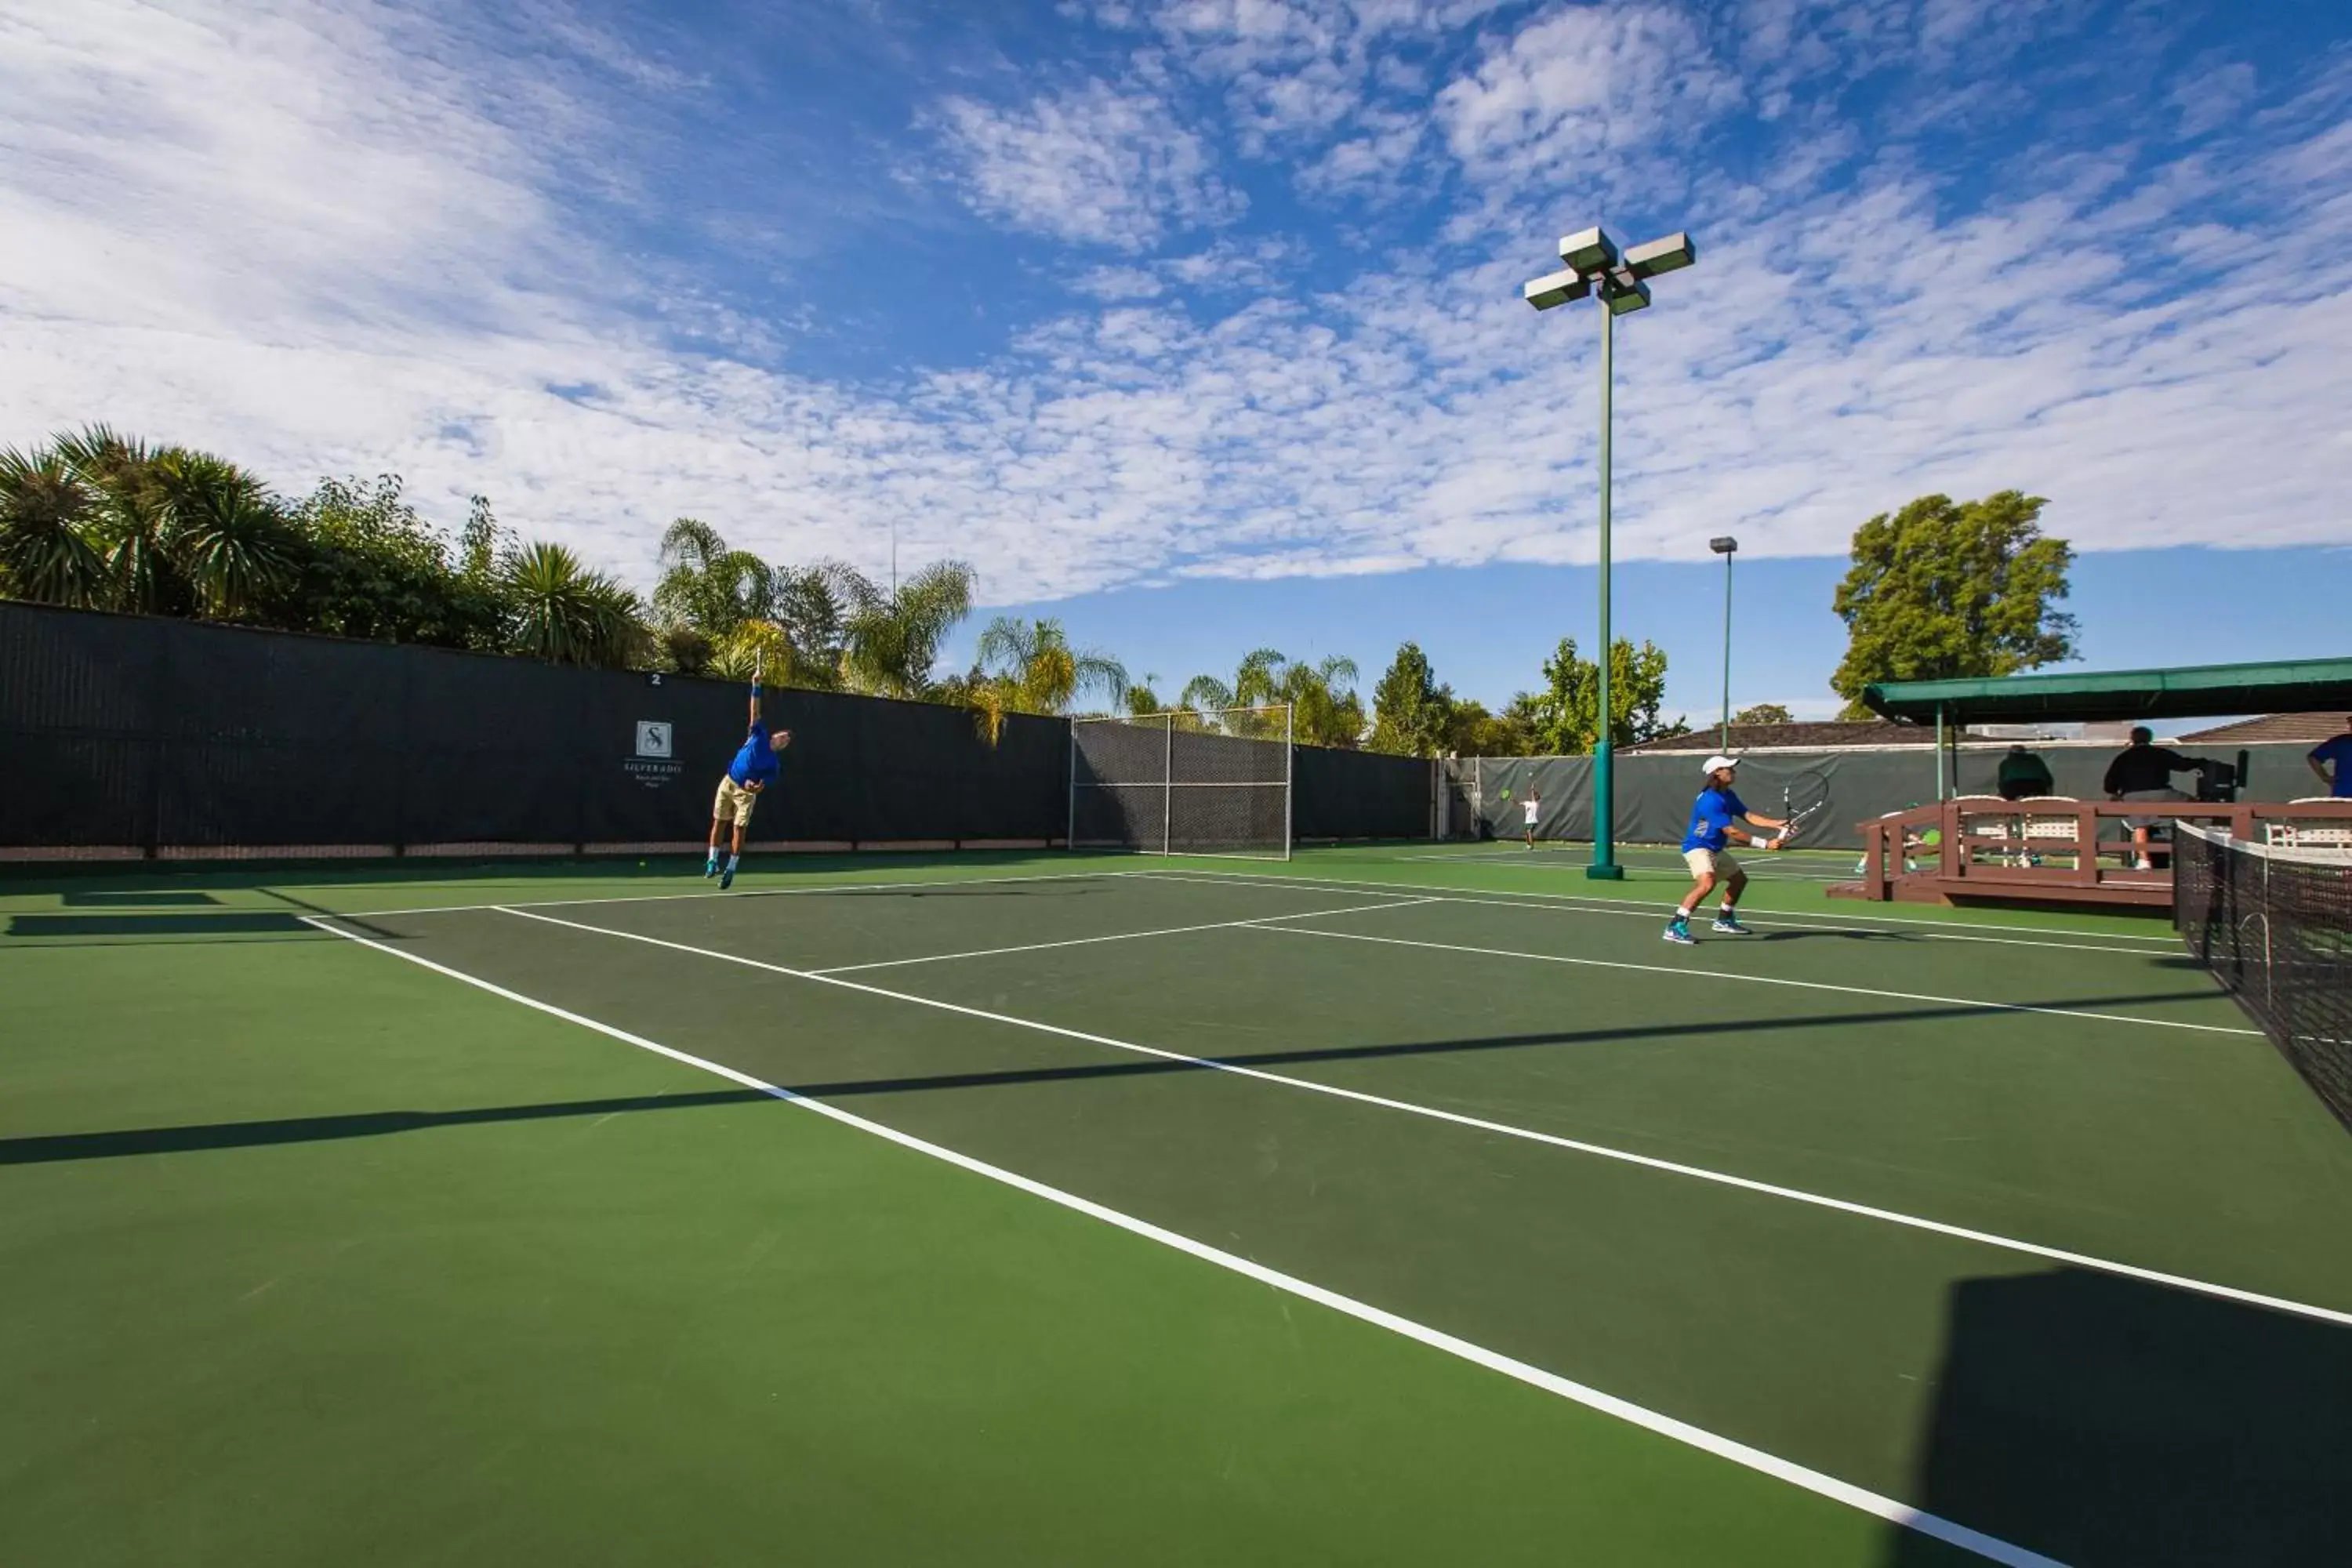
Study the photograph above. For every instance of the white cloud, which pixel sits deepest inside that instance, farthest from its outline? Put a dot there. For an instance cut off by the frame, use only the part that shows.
(1098, 164)
(328, 244)
(1584, 84)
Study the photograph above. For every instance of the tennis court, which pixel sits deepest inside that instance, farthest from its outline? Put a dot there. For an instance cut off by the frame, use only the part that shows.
(1394, 1205)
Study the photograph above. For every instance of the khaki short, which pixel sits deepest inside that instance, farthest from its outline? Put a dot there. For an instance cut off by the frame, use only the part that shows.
(1710, 862)
(733, 803)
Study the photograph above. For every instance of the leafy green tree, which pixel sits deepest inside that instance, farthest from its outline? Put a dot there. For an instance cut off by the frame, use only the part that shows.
(46, 551)
(1410, 710)
(811, 607)
(561, 611)
(891, 638)
(1763, 714)
(1566, 712)
(373, 567)
(1472, 731)
(1944, 590)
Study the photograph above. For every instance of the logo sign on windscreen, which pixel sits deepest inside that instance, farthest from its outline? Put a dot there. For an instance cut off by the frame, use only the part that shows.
(652, 766)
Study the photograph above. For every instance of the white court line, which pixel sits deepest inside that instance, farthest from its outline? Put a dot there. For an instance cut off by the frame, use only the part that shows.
(1648, 1162)
(1738, 1452)
(2133, 1019)
(1625, 908)
(1587, 903)
(1116, 936)
(746, 893)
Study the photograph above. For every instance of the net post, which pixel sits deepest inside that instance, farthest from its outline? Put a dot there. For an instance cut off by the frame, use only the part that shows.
(1168, 786)
(1289, 771)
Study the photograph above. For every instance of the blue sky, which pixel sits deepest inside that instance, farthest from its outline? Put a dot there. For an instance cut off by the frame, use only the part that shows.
(1197, 324)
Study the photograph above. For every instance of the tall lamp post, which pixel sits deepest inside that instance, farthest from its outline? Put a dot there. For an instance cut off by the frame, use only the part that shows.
(1591, 265)
(1726, 547)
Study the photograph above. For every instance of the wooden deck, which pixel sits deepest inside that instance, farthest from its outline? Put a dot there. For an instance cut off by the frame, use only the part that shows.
(2044, 851)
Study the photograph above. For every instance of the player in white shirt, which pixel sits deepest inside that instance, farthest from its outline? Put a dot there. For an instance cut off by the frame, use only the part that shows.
(1529, 804)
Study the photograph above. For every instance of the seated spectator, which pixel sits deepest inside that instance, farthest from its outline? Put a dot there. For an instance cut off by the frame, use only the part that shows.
(2143, 770)
(2331, 761)
(2024, 773)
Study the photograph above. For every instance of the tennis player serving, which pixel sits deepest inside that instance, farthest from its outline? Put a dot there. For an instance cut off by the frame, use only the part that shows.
(755, 767)
(1717, 818)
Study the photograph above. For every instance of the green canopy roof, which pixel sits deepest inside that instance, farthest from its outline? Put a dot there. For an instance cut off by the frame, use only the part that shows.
(2192, 691)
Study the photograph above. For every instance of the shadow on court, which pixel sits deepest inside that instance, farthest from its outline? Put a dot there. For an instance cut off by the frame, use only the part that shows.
(142, 900)
(2105, 1421)
(372, 1124)
(222, 923)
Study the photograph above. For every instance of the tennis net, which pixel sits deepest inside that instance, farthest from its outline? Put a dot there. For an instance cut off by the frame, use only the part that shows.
(2275, 927)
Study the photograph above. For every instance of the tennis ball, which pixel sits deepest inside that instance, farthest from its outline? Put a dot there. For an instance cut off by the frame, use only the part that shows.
(641, 865)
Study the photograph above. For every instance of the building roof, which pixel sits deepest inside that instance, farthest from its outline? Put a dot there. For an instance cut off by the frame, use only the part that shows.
(1787, 737)
(2313, 727)
(2188, 691)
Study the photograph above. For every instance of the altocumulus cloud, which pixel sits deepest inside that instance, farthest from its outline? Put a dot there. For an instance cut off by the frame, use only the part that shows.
(1284, 338)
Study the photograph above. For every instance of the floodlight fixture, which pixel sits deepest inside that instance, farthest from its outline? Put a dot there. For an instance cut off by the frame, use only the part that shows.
(1670, 254)
(1724, 545)
(1589, 252)
(1592, 266)
(1558, 289)
(1624, 293)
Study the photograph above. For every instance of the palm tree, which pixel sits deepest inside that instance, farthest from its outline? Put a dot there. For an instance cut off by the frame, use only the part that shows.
(1325, 709)
(131, 518)
(1029, 667)
(565, 612)
(179, 532)
(227, 542)
(891, 638)
(1143, 698)
(46, 553)
(708, 586)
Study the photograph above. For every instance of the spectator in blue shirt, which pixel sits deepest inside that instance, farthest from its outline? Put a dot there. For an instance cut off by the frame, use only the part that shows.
(755, 767)
(1716, 819)
(2335, 755)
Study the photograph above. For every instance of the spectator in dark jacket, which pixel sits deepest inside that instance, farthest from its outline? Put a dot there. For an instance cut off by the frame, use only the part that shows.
(2143, 770)
(2023, 773)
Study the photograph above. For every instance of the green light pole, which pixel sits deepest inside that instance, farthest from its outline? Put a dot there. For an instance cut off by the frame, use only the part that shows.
(1591, 265)
(1726, 547)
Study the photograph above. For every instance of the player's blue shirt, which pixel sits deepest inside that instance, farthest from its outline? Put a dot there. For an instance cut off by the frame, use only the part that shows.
(2339, 752)
(757, 762)
(1714, 811)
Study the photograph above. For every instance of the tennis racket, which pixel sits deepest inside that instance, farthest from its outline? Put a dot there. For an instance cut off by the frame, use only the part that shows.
(1801, 798)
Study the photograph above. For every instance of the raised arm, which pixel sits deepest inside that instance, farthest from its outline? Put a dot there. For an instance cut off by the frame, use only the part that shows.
(755, 699)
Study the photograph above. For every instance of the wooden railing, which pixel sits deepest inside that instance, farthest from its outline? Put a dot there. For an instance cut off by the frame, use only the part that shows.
(2047, 848)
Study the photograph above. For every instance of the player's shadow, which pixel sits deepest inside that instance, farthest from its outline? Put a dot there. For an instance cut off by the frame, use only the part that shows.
(2102, 1420)
(1838, 933)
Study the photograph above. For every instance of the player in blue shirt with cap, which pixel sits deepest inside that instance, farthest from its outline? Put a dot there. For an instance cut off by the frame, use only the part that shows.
(1716, 819)
(755, 767)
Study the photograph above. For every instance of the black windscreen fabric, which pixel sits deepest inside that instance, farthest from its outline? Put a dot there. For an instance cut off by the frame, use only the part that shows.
(1360, 794)
(125, 731)
(1655, 793)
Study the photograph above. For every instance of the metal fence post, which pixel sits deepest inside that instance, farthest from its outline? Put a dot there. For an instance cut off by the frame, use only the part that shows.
(1289, 771)
(1168, 786)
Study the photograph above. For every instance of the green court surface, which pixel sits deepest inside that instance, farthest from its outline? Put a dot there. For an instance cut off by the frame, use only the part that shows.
(1395, 1205)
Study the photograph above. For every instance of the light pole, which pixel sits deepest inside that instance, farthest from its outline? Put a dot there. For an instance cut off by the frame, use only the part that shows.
(1726, 547)
(1591, 265)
